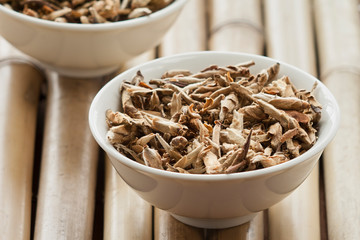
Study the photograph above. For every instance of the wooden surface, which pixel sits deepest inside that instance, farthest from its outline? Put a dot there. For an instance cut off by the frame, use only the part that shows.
(19, 98)
(69, 160)
(240, 31)
(124, 211)
(284, 43)
(340, 70)
(60, 186)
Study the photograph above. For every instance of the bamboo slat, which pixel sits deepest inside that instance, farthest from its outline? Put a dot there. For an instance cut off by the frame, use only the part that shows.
(67, 183)
(338, 28)
(289, 33)
(239, 30)
(146, 56)
(126, 215)
(19, 100)
(166, 227)
(250, 230)
(331, 17)
(188, 34)
(290, 39)
(189, 31)
(235, 25)
(7, 50)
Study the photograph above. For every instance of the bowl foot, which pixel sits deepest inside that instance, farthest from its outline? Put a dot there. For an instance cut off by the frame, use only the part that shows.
(214, 223)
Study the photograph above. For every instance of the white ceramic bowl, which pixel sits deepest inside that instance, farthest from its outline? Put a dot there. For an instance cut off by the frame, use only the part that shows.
(213, 201)
(86, 50)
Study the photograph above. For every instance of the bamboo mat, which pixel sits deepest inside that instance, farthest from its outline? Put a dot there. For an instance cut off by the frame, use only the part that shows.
(339, 53)
(300, 208)
(60, 186)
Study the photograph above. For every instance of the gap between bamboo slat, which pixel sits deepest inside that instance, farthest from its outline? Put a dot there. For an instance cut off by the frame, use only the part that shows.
(187, 34)
(338, 28)
(236, 25)
(67, 182)
(19, 100)
(290, 39)
(126, 215)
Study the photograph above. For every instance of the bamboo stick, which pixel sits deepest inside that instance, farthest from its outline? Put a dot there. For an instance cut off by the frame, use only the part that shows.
(330, 18)
(289, 33)
(7, 50)
(338, 28)
(290, 39)
(189, 31)
(167, 227)
(19, 100)
(236, 26)
(126, 215)
(147, 56)
(188, 34)
(67, 183)
(250, 230)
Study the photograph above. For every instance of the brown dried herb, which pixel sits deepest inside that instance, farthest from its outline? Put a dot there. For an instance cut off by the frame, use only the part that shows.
(219, 120)
(86, 11)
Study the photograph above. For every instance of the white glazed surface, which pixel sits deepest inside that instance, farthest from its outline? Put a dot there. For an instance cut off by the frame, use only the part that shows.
(206, 198)
(86, 50)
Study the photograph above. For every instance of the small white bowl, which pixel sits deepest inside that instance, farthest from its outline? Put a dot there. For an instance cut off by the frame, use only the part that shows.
(214, 201)
(86, 50)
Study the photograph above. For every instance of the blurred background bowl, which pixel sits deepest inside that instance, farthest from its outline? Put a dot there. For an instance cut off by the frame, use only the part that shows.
(86, 50)
(213, 201)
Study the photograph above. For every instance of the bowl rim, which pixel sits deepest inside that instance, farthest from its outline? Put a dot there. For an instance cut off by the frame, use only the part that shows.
(314, 150)
(162, 13)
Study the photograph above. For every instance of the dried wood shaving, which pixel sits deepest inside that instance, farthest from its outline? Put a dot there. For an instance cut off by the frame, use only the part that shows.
(219, 120)
(86, 11)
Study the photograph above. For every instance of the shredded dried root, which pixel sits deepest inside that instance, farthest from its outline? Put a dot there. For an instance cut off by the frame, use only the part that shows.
(86, 11)
(219, 120)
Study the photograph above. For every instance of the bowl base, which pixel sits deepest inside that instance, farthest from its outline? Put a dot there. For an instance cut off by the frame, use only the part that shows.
(214, 223)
